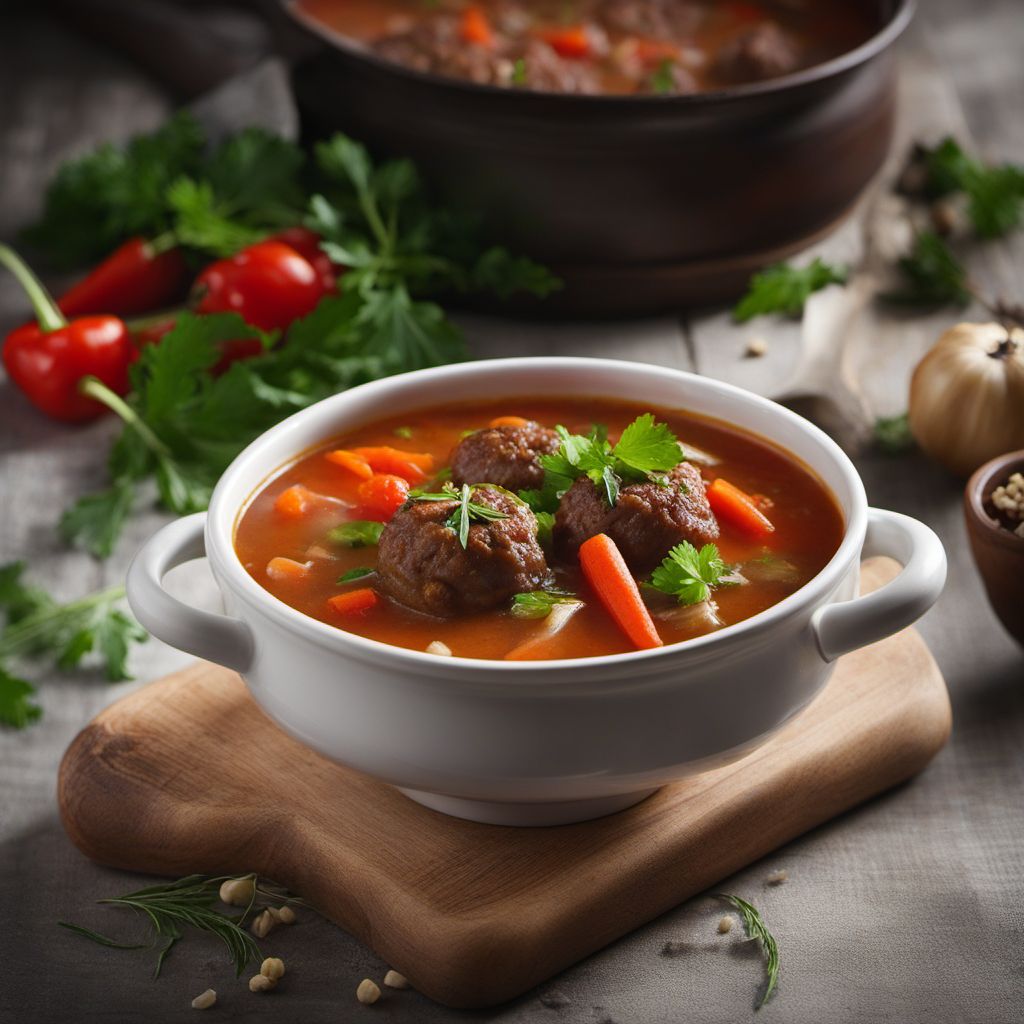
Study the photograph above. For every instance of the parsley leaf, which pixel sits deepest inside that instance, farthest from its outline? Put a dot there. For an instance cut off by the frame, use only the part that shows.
(662, 79)
(688, 574)
(359, 533)
(545, 526)
(537, 604)
(785, 289)
(892, 434)
(16, 707)
(356, 574)
(648, 446)
(932, 275)
(94, 522)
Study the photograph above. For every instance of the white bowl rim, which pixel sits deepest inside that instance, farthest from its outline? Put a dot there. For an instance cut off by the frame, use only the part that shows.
(221, 522)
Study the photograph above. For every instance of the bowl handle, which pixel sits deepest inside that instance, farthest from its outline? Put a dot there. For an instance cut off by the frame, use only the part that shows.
(217, 638)
(843, 627)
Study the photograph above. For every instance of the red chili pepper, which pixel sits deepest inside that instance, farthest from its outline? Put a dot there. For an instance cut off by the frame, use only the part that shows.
(307, 243)
(136, 278)
(48, 359)
(268, 284)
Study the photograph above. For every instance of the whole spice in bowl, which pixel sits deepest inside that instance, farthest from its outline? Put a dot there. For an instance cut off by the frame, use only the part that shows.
(994, 509)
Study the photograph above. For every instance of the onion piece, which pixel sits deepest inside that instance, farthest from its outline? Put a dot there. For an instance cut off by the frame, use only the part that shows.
(696, 619)
(548, 627)
(698, 455)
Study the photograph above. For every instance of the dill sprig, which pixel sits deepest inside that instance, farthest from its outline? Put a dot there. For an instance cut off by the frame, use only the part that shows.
(188, 902)
(756, 928)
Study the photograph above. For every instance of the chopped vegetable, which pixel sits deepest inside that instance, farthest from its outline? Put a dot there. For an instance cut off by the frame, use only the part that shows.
(785, 289)
(537, 604)
(606, 572)
(476, 29)
(663, 80)
(354, 602)
(355, 464)
(415, 467)
(728, 502)
(690, 575)
(295, 502)
(543, 643)
(356, 574)
(287, 569)
(403, 432)
(381, 496)
(645, 450)
(508, 421)
(572, 42)
(357, 534)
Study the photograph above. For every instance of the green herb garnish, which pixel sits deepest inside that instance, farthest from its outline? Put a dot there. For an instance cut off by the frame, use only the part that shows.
(545, 526)
(37, 627)
(646, 448)
(892, 434)
(188, 902)
(785, 289)
(405, 433)
(690, 575)
(537, 604)
(756, 929)
(359, 533)
(465, 513)
(519, 71)
(932, 275)
(662, 79)
(356, 574)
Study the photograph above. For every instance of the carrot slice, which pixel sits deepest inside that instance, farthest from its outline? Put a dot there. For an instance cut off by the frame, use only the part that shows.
(508, 421)
(295, 502)
(607, 573)
(573, 42)
(737, 507)
(352, 462)
(476, 28)
(381, 497)
(287, 569)
(411, 466)
(354, 602)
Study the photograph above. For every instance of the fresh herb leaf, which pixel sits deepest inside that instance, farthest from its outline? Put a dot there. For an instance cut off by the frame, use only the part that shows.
(545, 526)
(519, 73)
(405, 433)
(358, 533)
(892, 434)
(662, 80)
(499, 271)
(932, 275)
(95, 521)
(356, 574)
(690, 575)
(471, 512)
(785, 289)
(16, 708)
(537, 604)
(645, 448)
(756, 929)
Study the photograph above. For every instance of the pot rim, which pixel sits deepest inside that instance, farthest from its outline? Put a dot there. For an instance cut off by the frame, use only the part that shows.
(980, 484)
(228, 569)
(878, 42)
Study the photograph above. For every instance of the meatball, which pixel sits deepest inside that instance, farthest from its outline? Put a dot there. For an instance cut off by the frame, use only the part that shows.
(422, 564)
(506, 456)
(646, 521)
(765, 51)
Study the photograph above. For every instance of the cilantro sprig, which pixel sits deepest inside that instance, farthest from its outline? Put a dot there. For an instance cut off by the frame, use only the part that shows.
(466, 511)
(538, 604)
(785, 289)
(690, 575)
(645, 451)
(38, 628)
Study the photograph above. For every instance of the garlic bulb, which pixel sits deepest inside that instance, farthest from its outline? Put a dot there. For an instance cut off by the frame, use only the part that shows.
(967, 396)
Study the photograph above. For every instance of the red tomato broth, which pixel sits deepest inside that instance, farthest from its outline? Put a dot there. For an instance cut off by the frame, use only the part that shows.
(808, 530)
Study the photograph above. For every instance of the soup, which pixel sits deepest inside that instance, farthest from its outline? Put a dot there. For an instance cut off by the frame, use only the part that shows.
(601, 46)
(536, 529)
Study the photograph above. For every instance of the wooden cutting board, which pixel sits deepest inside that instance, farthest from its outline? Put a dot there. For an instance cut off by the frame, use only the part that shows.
(188, 775)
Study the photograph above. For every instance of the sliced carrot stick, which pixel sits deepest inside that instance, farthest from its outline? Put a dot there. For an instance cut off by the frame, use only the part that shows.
(607, 573)
(354, 602)
(508, 421)
(573, 42)
(737, 507)
(476, 28)
(287, 569)
(411, 466)
(350, 461)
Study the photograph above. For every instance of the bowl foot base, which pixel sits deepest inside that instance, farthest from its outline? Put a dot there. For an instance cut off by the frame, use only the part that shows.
(498, 812)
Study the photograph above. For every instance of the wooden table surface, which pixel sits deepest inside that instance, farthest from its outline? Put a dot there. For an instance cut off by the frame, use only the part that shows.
(909, 909)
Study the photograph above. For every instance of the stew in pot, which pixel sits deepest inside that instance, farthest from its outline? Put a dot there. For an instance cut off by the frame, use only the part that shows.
(536, 529)
(602, 46)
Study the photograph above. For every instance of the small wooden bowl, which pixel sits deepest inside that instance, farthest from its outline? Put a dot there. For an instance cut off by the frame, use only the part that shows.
(998, 553)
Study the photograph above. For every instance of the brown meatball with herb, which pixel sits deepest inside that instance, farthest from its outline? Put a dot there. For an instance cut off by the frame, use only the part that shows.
(506, 456)
(422, 564)
(646, 521)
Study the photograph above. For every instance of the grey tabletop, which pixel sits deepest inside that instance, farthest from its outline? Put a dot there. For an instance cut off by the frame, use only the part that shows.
(910, 908)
